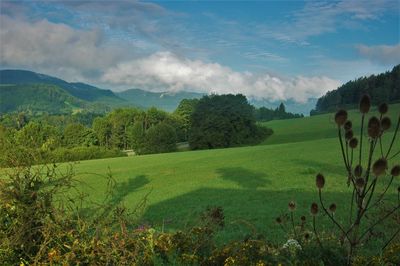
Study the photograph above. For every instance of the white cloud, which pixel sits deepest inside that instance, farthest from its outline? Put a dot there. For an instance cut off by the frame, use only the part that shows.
(383, 54)
(321, 17)
(55, 48)
(164, 70)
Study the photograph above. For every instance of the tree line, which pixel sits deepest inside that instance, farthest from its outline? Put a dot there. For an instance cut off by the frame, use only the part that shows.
(264, 114)
(382, 88)
(214, 121)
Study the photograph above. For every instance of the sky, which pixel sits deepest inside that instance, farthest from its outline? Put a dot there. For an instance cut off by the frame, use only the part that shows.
(274, 50)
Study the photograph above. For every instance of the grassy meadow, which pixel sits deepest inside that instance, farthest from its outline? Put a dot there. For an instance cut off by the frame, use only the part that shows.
(253, 184)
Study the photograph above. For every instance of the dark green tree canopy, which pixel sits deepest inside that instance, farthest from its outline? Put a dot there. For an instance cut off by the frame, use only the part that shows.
(222, 121)
(382, 88)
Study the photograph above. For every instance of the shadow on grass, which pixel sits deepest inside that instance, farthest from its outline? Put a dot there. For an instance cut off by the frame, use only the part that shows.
(253, 212)
(243, 177)
(246, 210)
(122, 189)
(318, 166)
(115, 197)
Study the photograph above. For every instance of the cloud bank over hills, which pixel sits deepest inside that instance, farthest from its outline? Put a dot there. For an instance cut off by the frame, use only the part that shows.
(278, 53)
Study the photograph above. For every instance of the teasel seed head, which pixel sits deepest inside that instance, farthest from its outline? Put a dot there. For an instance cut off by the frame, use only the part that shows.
(365, 104)
(278, 220)
(292, 206)
(360, 182)
(314, 208)
(353, 143)
(332, 208)
(383, 108)
(303, 218)
(374, 127)
(386, 123)
(349, 135)
(379, 167)
(341, 117)
(395, 170)
(320, 181)
(306, 236)
(358, 170)
(348, 125)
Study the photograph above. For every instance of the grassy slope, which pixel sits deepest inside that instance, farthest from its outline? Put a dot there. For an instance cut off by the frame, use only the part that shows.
(314, 127)
(252, 184)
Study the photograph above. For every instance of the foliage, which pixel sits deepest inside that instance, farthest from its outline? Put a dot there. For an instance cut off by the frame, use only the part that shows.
(264, 114)
(38, 98)
(76, 134)
(159, 139)
(220, 121)
(185, 110)
(81, 153)
(128, 129)
(382, 88)
(370, 177)
(81, 91)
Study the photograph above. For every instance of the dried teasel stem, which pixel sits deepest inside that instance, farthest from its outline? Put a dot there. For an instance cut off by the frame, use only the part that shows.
(367, 172)
(394, 137)
(380, 197)
(342, 148)
(332, 218)
(391, 239)
(361, 138)
(351, 204)
(294, 227)
(379, 221)
(316, 233)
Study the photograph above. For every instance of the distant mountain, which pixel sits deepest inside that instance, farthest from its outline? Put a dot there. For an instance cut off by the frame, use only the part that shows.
(39, 98)
(163, 100)
(384, 87)
(291, 106)
(80, 90)
(99, 100)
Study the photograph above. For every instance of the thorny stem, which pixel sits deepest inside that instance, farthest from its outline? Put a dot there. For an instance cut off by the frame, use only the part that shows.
(390, 240)
(315, 232)
(365, 208)
(394, 137)
(371, 152)
(347, 154)
(383, 193)
(294, 228)
(342, 148)
(361, 138)
(380, 137)
(379, 221)
(351, 205)
(351, 162)
(394, 155)
(331, 217)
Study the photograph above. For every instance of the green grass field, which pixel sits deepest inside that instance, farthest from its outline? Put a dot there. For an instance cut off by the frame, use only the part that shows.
(253, 184)
(317, 127)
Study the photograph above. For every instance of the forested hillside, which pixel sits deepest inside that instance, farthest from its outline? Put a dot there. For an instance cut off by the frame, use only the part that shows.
(384, 87)
(38, 98)
(80, 90)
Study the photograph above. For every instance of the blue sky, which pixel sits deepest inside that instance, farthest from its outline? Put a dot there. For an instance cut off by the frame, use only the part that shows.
(277, 50)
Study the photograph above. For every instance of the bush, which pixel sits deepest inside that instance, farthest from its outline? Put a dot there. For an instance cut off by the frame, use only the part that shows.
(83, 153)
(159, 139)
(221, 121)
